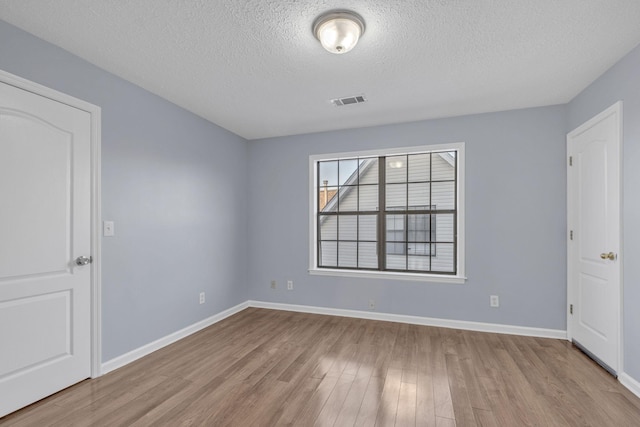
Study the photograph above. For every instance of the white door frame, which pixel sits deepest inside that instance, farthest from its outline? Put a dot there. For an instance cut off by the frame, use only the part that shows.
(96, 236)
(615, 109)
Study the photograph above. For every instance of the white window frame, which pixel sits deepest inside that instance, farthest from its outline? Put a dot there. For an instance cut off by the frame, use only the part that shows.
(459, 278)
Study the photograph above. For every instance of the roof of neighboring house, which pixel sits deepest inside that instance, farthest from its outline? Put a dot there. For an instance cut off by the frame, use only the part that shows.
(349, 184)
(325, 196)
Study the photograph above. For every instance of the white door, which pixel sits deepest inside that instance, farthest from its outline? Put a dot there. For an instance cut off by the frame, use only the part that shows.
(594, 226)
(45, 219)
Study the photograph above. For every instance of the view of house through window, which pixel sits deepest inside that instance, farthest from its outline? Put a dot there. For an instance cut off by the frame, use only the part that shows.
(388, 212)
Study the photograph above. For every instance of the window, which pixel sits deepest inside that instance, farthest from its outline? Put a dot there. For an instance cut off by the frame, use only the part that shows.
(395, 212)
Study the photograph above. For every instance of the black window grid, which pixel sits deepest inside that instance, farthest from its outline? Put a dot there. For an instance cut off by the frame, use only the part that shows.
(381, 214)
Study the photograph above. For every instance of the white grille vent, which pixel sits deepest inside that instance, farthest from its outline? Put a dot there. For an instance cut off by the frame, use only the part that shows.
(339, 102)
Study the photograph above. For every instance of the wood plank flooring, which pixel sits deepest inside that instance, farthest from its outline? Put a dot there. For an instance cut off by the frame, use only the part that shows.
(270, 368)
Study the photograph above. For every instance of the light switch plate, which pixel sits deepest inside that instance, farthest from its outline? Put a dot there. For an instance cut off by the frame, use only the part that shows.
(108, 229)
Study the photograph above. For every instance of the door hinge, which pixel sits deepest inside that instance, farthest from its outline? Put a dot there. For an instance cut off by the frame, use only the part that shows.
(570, 160)
(571, 234)
(570, 308)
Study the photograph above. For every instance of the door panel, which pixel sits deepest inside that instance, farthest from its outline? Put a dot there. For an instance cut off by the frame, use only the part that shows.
(594, 217)
(37, 194)
(44, 225)
(45, 344)
(592, 291)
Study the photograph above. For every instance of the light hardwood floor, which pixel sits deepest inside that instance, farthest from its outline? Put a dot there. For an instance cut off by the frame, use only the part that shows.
(265, 367)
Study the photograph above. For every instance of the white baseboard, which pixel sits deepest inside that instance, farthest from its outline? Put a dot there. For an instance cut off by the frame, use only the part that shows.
(129, 357)
(416, 320)
(630, 383)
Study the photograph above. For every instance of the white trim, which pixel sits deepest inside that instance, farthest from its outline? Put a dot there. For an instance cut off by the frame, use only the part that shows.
(96, 198)
(615, 109)
(415, 277)
(416, 149)
(146, 349)
(620, 106)
(417, 320)
(313, 267)
(96, 243)
(630, 383)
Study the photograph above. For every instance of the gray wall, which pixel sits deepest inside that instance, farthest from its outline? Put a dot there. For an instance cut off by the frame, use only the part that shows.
(622, 82)
(174, 184)
(515, 220)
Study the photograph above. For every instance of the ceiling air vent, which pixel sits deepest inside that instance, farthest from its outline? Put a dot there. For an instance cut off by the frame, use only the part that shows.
(338, 102)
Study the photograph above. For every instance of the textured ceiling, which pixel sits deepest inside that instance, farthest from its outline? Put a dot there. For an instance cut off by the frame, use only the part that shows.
(254, 67)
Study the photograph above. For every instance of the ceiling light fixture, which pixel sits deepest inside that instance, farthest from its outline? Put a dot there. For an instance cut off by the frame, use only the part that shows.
(338, 30)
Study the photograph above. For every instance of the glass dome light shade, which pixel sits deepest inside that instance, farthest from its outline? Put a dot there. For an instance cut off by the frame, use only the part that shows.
(339, 32)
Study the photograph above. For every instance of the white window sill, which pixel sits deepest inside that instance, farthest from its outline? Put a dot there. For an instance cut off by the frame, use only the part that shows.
(388, 275)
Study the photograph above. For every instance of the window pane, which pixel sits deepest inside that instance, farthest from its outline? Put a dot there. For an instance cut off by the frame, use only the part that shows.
(419, 228)
(328, 227)
(328, 173)
(368, 197)
(443, 228)
(417, 236)
(420, 263)
(367, 255)
(422, 249)
(396, 195)
(443, 195)
(347, 227)
(348, 199)
(396, 169)
(369, 171)
(347, 172)
(419, 196)
(347, 254)
(395, 227)
(368, 227)
(443, 259)
(443, 167)
(395, 234)
(327, 200)
(419, 166)
(328, 254)
(395, 262)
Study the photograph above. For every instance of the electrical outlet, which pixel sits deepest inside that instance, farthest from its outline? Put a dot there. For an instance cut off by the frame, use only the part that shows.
(290, 285)
(201, 297)
(494, 301)
(273, 284)
(372, 304)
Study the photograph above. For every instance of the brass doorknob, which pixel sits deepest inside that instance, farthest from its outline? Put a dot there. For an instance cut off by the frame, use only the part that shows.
(610, 256)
